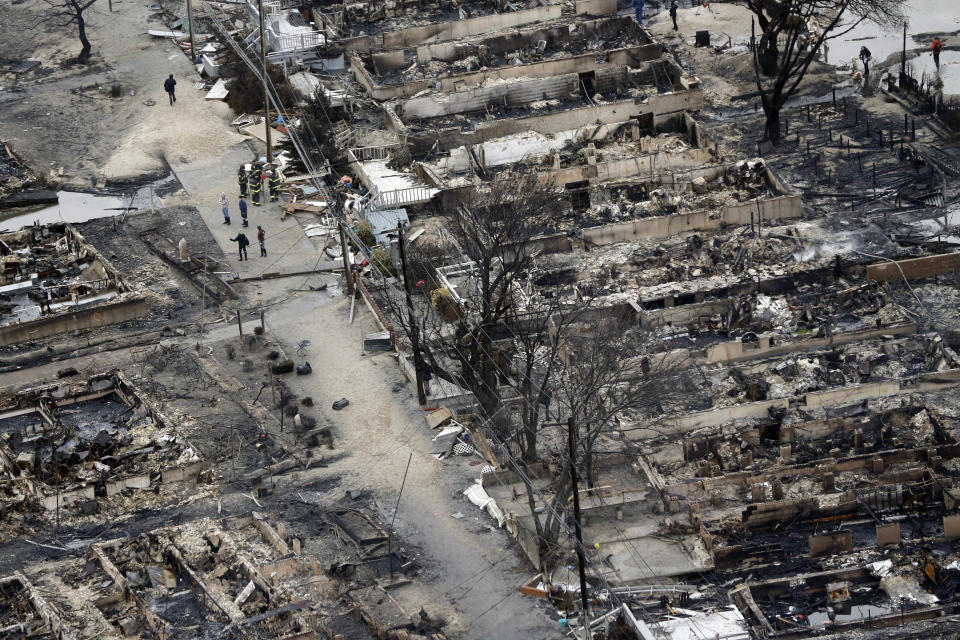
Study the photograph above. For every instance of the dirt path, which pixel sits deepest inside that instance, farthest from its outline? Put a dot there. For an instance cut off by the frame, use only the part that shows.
(473, 571)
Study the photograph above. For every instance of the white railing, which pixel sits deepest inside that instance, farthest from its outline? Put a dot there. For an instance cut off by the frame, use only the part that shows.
(295, 42)
(363, 154)
(398, 198)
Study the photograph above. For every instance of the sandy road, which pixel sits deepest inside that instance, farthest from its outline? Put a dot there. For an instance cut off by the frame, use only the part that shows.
(472, 569)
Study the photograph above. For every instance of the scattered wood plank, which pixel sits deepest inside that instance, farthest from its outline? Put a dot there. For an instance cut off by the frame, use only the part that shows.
(480, 442)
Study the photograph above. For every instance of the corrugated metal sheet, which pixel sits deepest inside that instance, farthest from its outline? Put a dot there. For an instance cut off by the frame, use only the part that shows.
(385, 220)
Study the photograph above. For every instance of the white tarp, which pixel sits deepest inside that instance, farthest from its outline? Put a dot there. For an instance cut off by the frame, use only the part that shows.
(304, 83)
(478, 496)
(319, 230)
(726, 624)
(158, 33)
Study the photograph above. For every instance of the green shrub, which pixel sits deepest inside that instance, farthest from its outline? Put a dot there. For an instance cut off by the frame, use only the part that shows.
(381, 260)
(365, 232)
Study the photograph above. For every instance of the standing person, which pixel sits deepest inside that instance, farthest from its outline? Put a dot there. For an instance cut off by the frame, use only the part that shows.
(274, 185)
(169, 85)
(865, 56)
(546, 395)
(243, 211)
(224, 207)
(255, 187)
(937, 47)
(674, 5)
(638, 7)
(242, 181)
(242, 244)
(261, 236)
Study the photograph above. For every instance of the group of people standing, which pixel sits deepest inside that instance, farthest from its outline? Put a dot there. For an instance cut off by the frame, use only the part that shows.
(255, 178)
(251, 180)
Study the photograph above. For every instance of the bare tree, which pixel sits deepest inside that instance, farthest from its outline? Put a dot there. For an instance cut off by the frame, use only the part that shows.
(465, 338)
(65, 13)
(596, 383)
(792, 33)
(495, 230)
(538, 331)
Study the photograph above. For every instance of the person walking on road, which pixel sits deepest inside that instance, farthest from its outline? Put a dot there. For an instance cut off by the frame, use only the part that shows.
(936, 47)
(169, 85)
(225, 208)
(865, 57)
(261, 237)
(243, 212)
(242, 244)
(674, 5)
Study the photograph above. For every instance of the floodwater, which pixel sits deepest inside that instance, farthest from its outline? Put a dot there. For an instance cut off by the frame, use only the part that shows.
(74, 207)
(924, 19)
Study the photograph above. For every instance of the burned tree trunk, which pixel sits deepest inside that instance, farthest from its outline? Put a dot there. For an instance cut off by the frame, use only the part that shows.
(65, 13)
(773, 124)
(792, 34)
(84, 56)
(768, 55)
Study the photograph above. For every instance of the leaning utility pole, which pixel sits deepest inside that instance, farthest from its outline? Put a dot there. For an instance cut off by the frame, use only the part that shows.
(571, 448)
(347, 268)
(193, 53)
(393, 520)
(266, 94)
(414, 331)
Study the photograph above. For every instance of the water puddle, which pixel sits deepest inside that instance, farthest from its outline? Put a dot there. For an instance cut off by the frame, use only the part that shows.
(74, 207)
(87, 419)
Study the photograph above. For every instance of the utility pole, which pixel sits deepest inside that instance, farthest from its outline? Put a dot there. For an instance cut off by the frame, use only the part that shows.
(414, 331)
(347, 269)
(266, 94)
(571, 448)
(903, 53)
(193, 53)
